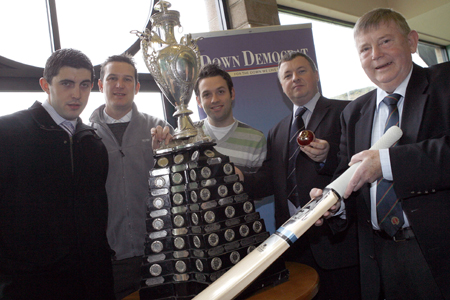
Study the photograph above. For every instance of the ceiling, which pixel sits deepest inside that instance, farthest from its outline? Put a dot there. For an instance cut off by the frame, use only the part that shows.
(431, 18)
(29, 36)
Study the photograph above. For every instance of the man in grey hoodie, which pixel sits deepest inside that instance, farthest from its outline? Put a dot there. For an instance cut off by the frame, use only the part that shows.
(126, 133)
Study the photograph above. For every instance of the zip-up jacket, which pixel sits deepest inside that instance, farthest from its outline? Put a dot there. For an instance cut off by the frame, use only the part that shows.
(53, 210)
(127, 183)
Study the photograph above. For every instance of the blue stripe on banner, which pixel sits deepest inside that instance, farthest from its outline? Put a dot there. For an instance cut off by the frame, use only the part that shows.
(287, 234)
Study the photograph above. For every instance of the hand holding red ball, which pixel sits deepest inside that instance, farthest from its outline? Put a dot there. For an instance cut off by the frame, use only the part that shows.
(305, 137)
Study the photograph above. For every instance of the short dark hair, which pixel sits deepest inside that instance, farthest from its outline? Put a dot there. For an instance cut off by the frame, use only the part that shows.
(374, 18)
(290, 55)
(126, 58)
(212, 70)
(66, 58)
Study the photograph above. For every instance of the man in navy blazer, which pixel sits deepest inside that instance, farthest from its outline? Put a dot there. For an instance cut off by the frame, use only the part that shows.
(333, 256)
(414, 263)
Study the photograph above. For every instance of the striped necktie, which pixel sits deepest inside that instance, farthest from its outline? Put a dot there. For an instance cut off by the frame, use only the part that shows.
(68, 126)
(389, 208)
(297, 126)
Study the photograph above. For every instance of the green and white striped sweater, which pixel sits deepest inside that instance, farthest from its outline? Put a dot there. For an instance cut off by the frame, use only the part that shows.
(245, 145)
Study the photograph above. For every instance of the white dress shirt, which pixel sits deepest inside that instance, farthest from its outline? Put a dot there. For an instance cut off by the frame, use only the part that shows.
(56, 117)
(309, 109)
(124, 119)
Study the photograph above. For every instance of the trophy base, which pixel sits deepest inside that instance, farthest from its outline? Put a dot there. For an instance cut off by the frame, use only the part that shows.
(185, 134)
(186, 128)
(187, 141)
(177, 145)
(200, 223)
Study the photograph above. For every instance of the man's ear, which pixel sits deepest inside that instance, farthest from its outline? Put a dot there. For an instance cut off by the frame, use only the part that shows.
(413, 40)
(199, 102)
(100, 85)
(137, 88)
(44, 85)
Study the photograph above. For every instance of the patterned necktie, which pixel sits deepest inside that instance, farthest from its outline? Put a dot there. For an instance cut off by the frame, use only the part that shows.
(389, 208)
(68, 126)
(297, 126)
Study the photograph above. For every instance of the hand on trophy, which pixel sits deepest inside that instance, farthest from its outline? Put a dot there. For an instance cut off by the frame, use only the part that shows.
(160, 135)
(239, 173)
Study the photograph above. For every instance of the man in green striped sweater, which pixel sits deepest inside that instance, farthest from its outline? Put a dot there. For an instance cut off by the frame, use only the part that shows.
(245, 145)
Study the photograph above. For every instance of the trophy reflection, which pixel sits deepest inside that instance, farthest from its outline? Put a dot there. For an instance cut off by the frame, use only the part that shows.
(175, 68)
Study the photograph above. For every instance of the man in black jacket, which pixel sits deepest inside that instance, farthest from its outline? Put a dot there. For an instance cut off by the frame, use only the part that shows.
(53, 205)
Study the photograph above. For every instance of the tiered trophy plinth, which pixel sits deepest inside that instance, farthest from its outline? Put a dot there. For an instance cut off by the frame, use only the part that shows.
(200, 223)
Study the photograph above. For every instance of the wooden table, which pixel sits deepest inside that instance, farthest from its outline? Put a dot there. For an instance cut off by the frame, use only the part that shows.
(303, 284)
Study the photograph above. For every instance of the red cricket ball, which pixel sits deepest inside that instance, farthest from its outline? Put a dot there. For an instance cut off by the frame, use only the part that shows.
(305, 137)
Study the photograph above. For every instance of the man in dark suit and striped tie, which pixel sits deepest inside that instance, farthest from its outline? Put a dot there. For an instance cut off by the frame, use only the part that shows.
(290, 171)
(402, 194)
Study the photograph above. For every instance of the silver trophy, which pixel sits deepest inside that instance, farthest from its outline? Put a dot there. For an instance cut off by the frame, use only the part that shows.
(175, 68)
(200, 222)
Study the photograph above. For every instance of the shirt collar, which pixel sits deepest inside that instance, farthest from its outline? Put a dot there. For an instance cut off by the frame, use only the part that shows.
(111, 120)
(226, 128)
(310, 105)
(401, 89)
(55, 116)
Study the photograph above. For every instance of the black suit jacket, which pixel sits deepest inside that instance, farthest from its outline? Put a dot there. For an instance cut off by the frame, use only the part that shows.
(421, 169)
(330, 251)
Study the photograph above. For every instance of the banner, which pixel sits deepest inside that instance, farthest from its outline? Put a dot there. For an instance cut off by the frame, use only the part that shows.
(251, 57)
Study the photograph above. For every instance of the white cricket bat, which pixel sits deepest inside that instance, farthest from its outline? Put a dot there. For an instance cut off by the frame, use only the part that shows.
(234, 281)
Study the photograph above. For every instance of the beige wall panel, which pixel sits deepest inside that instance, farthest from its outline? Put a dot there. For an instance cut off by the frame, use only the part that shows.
(431, 18)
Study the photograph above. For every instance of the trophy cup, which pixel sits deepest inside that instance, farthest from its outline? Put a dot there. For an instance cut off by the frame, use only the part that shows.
(200, 222)
(174, 67)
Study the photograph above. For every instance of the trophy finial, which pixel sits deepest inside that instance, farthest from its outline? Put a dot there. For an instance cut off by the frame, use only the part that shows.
(162, 6)
(166, 20)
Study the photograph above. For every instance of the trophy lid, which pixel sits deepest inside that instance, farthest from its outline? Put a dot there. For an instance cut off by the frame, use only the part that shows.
(165, 15)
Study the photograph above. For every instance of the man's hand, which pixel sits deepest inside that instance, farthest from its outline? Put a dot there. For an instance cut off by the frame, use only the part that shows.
(367, 172)
(160, 134)
(317, 150)
(328, 214)
(239, 172)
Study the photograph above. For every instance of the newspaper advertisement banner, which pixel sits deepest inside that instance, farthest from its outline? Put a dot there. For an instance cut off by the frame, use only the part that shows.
(251, 57)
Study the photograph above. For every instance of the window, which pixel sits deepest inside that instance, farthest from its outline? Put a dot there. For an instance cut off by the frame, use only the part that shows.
(97, 28)
(341, 75)
(432, 54)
